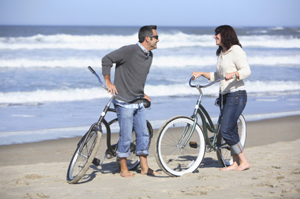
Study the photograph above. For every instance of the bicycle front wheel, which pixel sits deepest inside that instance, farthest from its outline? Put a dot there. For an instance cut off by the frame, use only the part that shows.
(84, 155)
(224, 151)
(179, 149)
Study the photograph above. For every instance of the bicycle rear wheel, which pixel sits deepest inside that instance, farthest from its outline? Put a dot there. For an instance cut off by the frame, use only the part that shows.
(225, 148)
(84, 155)
(172, 155)
(133, 160)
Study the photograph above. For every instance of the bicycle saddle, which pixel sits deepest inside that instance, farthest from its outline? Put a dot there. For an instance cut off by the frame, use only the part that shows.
(146, 103)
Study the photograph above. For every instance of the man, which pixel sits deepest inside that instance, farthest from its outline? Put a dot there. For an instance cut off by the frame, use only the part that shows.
(133, 63)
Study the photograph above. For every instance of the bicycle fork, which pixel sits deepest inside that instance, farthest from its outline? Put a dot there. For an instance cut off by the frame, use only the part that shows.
(96, 161)
(194, 116)
(188, 130)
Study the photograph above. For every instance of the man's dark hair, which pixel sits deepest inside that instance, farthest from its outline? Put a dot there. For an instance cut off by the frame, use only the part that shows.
(228, 37)
(146, 31)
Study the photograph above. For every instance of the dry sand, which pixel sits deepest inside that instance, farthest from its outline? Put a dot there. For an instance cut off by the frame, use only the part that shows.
(38, 170)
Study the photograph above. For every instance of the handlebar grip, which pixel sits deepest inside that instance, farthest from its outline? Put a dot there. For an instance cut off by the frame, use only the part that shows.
(190, 82)
(204, 86)
(92, 70)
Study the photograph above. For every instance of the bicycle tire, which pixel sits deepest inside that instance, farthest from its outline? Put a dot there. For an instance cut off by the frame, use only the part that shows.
(225, 148)
(172, 158)
(133, 161)
(84, 155)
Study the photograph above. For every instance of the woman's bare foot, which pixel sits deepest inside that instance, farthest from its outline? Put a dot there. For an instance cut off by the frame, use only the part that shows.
(242, 167)
(230, 168)
(126, 174)
(150, 172)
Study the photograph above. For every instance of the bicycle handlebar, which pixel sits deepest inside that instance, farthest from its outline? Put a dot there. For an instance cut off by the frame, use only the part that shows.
(147, 103)
(205, 86)
(92, 70)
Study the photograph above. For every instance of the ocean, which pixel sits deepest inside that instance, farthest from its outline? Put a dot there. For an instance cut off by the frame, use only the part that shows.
(47, 92)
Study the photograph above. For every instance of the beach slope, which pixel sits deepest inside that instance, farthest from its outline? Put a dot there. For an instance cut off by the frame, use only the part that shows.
(38, 170)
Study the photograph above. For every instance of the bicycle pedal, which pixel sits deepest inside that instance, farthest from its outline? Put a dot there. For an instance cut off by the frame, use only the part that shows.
(114, 147)
(96, 161)
(193, 145)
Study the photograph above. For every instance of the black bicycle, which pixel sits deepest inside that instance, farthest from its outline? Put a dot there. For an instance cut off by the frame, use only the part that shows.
(88, 146)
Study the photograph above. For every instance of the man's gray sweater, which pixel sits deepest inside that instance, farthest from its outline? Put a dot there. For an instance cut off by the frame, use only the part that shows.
(132, 68)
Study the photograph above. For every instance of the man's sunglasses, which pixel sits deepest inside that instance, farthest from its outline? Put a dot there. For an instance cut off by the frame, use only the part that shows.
(154, 36)
(217, 32)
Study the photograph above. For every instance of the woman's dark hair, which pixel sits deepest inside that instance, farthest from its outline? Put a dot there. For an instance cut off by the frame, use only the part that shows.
(228, 37)
(146, 31)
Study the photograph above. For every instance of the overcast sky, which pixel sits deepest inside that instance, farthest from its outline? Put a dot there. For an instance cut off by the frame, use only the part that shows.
(159, 12)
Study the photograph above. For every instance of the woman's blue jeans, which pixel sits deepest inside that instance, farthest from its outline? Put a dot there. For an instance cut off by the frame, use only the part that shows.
(129, 119)
(233, 106)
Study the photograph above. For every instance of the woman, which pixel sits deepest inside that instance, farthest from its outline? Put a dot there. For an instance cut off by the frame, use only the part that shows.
(233, 65)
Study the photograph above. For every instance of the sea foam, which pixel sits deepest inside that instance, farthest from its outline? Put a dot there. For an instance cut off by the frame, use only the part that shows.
(96, 42)
(180, 61)
(40, 96)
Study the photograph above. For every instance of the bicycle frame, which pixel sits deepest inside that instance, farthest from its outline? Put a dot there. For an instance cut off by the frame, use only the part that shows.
(199, 109)
(206, 124)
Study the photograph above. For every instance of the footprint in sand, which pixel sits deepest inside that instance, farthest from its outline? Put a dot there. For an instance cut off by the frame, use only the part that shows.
(23, 180)
(34, 176)
(36, 195)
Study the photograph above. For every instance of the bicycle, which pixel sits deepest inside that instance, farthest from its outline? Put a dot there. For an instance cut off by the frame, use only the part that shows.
(88, 146)
(181, 141)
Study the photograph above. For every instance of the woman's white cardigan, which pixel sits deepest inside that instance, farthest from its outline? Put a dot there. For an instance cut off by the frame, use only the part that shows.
(235, 59)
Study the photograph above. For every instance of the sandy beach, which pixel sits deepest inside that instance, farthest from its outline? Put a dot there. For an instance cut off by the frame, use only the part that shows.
(38, 170)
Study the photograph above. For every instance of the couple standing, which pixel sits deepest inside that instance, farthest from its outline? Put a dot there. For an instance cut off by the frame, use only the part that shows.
(133, 64)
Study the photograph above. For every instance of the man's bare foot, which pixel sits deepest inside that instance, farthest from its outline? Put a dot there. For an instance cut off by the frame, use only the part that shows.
(242, 167)
(126, 174)
(230, 168)
(150, 172)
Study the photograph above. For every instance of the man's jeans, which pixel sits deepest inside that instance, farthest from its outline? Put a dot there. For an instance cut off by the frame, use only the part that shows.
(233, 105)
(129, 119)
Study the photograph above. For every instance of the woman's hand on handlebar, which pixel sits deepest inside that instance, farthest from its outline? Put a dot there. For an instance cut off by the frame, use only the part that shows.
(195, 75)
(231, 76)
(198, 74)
